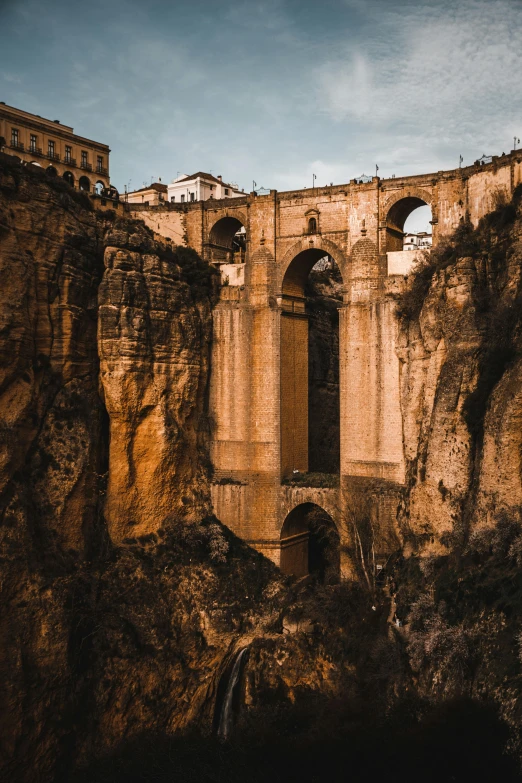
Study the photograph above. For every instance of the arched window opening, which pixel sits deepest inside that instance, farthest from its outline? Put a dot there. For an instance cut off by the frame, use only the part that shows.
(310, 389)
(99, 188)
(69, 178)
(227, 242)
(406, 214)
(85, 184)
(310, 544)
(51, 171)
(417, 229)
(312, 226)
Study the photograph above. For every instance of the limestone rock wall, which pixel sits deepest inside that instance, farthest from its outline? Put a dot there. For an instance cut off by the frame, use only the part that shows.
(460, 368)
(103, 375)
(153, 338)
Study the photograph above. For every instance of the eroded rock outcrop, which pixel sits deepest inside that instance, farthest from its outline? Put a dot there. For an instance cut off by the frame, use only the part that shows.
(154, 335)
(461, 358)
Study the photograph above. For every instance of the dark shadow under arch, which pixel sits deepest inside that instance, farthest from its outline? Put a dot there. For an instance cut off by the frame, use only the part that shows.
(310, 544)
(310, 390)
(69, 178)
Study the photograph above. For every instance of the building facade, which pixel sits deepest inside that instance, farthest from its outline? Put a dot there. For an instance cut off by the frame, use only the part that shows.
(83, 163)
(420, 241)
(153, 195)
(200, 187)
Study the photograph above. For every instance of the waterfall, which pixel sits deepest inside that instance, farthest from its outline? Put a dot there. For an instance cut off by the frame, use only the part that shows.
(226, 714)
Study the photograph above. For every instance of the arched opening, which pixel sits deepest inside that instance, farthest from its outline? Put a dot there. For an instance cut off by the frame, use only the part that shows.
(310, 402)
(69, 178)
(51, 171)
(401, 215)
(418, 230)
(227, 242)
(84, 184)
(310, 544)
(312, 226)
(98, 188)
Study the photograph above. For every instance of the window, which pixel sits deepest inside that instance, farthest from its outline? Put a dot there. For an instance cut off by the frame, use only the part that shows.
(192, 195)
(50, 149)
(226, 191)
(84, 158)
(312, 226)
(99, 163)
(211, 187)
(173, 199)
(33, 143)
(15, 137)
(68, 153)
(182, 198)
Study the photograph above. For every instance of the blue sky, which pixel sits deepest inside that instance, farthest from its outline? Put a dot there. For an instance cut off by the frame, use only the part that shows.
(271, 91)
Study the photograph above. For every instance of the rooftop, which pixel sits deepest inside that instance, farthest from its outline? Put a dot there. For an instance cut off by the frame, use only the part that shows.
(204, 175)
(158, 186)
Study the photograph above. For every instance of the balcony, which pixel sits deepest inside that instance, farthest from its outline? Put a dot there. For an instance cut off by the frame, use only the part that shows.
(85, 165)
(36, 151)
(70, 162)
(53, 156)
(17, 145)
(102, 170)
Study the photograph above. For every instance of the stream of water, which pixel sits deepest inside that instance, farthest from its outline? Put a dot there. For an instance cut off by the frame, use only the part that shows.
(227, 716)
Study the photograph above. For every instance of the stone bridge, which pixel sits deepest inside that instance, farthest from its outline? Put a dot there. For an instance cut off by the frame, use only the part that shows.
(259, 380)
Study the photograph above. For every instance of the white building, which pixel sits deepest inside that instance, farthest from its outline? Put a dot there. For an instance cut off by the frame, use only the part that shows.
(200, 187)
(420, 241)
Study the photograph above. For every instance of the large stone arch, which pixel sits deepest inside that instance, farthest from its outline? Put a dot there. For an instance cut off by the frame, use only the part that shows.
(315, 242)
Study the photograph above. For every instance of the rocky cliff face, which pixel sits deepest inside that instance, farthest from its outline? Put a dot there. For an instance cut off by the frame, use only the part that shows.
(460, 349)
(154, 334)
(459, 589)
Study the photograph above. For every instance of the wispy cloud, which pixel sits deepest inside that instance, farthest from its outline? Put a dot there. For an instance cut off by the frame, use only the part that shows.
(449, 74)
(274, 90)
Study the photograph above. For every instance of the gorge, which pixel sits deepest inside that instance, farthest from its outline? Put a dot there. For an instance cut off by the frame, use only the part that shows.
(125, 598)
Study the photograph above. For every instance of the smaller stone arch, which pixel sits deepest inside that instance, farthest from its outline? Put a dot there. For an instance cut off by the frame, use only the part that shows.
(227, 240)
(51, 171)
(310, 544)
(99, 188)
(69, 178)
(397, 209)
